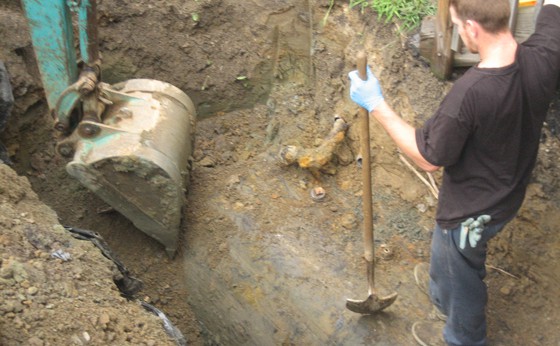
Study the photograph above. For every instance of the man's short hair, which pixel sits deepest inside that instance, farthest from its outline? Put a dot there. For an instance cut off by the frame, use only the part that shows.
(492, 15)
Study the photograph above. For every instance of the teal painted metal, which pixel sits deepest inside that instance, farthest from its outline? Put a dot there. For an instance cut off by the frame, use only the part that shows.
(50, 25)
(82, 31)
(87, 29)
(66, 104)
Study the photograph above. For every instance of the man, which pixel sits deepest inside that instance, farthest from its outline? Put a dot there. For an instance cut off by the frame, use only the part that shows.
(486, 135)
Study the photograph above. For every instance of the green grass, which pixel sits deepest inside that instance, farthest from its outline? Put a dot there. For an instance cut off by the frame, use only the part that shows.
(408, 12)
(324, 21)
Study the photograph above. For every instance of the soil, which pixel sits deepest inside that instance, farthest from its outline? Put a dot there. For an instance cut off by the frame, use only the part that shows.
(260, 261)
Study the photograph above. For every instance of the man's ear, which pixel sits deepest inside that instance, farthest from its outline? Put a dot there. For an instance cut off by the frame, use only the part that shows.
(471, 27)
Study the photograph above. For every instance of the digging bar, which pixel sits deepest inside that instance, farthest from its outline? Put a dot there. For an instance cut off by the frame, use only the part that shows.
(373, 303)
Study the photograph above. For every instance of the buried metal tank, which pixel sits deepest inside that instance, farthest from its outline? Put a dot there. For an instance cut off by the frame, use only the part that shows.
(266, 265)
(138, 159)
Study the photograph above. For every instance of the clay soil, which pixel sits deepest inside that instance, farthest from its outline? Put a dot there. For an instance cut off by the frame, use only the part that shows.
(260, 261)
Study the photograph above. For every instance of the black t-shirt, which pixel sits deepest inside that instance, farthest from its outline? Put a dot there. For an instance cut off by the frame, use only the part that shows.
(486, 131)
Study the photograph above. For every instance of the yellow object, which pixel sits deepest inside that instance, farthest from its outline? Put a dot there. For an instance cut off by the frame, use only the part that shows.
(527, 3)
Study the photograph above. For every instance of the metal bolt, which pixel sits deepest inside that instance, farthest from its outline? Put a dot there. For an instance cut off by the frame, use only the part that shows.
(60, 126)
(88, 130)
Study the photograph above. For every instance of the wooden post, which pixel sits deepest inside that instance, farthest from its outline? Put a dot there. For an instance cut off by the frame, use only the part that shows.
(514, 5)
(442, 61)
(443, 48)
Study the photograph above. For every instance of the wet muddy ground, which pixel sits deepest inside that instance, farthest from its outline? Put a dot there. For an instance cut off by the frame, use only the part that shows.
(261, 262)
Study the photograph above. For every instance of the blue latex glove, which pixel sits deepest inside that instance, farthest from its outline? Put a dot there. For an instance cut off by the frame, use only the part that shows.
(366, 93)
(472, 230)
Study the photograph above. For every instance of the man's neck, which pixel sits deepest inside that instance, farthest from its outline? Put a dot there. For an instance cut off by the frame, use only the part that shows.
(497, 51)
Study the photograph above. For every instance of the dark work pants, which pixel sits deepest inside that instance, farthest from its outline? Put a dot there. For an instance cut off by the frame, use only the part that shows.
(456, 285)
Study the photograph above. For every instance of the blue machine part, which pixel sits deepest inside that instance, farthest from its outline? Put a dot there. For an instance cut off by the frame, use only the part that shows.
(50, 26)
(87, 28)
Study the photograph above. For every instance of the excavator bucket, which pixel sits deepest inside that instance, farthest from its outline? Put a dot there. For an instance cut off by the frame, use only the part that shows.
(138, 159)
(131, 142)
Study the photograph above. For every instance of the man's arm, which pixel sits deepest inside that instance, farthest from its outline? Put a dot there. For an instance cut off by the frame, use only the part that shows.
(367, 94)
(403, 134)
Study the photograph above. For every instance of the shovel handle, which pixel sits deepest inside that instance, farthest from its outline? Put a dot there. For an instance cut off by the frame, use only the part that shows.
(361, 61)
(361, 64)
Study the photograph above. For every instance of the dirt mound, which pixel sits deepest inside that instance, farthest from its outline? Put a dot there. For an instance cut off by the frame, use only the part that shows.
(57, 290)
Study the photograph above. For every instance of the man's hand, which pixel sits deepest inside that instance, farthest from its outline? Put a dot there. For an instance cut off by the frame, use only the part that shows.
(366, 93)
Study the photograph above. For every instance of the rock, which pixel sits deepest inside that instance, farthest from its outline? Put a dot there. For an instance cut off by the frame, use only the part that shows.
(18, 323)
(111, 336)
(35, 341)
(18, 307)
(37, 162)
(6, 308)
(13, 269)
(505, 290)
(76, 340)
(70, 290)
(6, 273)
(348, 221)
(207, 162)
(233, 180)
(104, 319)
(421, 207)
(346, 185)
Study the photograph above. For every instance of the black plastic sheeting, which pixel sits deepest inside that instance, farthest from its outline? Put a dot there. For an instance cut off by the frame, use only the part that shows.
(6, 103)
(126, 283)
